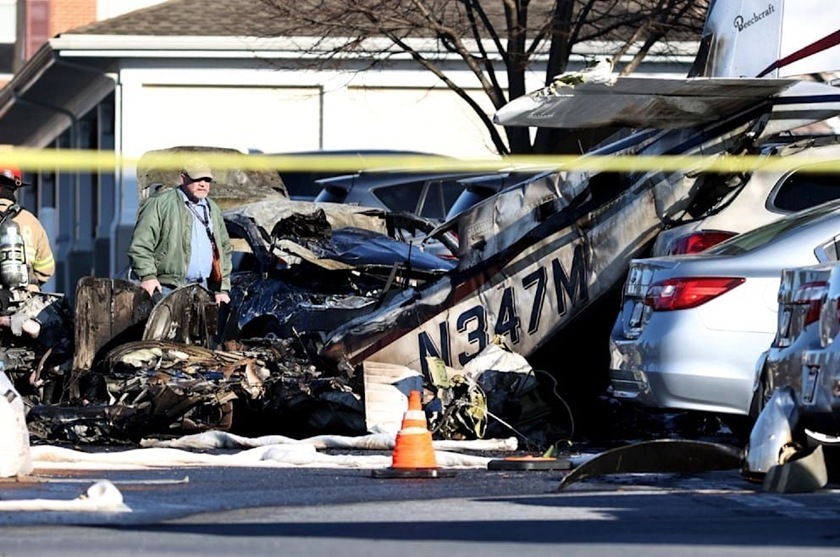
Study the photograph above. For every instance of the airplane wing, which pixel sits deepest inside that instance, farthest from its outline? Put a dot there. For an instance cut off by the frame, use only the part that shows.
(660, 103)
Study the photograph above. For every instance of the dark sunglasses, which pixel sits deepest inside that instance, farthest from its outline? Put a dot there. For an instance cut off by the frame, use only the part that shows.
(201, 179)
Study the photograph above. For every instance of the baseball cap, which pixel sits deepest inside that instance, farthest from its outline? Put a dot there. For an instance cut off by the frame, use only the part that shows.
(197, 168)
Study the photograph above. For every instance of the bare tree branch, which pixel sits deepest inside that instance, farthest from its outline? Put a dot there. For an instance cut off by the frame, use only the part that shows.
(487, 36)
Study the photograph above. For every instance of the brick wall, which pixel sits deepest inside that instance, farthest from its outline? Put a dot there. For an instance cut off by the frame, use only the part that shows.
(37, 30)
(48, 18)
(67, 14)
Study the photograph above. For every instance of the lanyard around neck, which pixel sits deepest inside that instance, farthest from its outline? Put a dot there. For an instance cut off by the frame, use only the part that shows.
(205, 220)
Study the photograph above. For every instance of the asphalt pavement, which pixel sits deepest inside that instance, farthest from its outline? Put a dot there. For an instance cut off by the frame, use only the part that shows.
(305, 511)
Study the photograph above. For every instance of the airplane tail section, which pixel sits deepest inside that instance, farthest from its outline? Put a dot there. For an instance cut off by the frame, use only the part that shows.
(769, 38)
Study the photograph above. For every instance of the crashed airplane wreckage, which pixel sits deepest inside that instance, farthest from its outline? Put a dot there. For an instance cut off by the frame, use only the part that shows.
(320, 290)
(536, 255)
(321, 295)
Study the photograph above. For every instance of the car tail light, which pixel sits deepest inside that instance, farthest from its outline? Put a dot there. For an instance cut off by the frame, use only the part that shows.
(698, 241)
(810, 294)
(687, 293)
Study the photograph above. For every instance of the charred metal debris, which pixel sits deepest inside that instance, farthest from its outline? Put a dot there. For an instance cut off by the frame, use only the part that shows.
(119, 366)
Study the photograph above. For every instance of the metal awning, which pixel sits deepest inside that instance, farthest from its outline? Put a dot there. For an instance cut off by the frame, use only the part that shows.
(49, 94)
(71, 73)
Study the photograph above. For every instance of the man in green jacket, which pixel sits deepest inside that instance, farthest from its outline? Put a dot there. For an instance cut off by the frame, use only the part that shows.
(180, 238)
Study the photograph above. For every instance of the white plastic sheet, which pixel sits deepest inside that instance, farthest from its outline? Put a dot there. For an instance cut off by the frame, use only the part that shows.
(270, 456)
(15, 458)
(373, 441)
(102, 496)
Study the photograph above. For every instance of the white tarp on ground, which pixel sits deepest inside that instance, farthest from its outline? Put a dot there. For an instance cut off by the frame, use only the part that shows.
(102, 496)
(373, 442)
(273, 451)
(268, 451)
(271, 456)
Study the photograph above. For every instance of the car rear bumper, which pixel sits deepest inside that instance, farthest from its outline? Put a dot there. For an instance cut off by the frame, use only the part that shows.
(690, 378)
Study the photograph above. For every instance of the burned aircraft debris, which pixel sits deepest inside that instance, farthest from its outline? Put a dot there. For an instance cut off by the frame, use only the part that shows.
(35, 345)
(680, 456)
(178, 364)
(320, 290)
(153, 387)
(309, 277)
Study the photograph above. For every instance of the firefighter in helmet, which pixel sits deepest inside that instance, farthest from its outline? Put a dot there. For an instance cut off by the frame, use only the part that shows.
(39, 256)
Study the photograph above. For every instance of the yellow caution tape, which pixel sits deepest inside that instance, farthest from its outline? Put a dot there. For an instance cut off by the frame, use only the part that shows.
(34, 160)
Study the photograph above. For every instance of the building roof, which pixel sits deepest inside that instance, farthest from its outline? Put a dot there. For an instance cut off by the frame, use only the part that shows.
(218, 18)
(254, 18)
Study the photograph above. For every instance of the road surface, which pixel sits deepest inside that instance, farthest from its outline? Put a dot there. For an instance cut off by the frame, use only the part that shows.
(288, 512)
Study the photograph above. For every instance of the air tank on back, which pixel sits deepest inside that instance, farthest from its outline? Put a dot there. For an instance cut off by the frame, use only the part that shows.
(13, 272)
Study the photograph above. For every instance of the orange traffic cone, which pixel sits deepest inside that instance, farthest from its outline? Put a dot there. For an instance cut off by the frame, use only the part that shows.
(414, 455)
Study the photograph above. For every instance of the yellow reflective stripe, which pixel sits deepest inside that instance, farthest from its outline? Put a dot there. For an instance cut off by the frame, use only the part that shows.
(41, 263)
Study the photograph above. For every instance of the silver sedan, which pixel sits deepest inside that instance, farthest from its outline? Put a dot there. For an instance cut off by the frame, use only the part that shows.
(691, 328)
